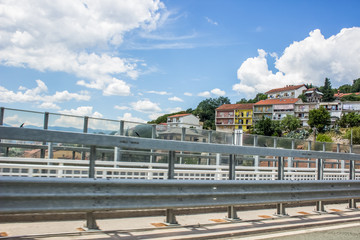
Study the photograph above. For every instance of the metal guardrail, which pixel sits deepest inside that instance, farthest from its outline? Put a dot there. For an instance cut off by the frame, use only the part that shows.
(33, 195)
(55, 194)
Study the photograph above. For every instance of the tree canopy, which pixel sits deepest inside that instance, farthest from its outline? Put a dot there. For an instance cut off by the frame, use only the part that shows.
(266, 126)
(290, 123)
(258, 97)
(319, 118)
(349, 120)
(328, 93)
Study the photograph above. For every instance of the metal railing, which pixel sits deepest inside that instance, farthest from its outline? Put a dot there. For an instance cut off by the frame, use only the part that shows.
(56, 195)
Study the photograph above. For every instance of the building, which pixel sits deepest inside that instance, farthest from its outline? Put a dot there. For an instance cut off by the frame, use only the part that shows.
(313, 95)
(275, 109)
(229, 117)
(290, 91)
(186, 120)
(334, 108)
(302, 111)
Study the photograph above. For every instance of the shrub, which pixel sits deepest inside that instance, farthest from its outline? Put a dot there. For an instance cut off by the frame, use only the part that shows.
(323, 138)
(356, 135)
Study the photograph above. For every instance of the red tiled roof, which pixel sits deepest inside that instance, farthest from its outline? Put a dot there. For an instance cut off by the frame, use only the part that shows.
(340, 95)
(180, 115)
(277, 101)
(241, 106)
(287, 88)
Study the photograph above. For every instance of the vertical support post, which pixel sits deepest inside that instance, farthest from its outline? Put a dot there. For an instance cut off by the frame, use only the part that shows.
(309, 159)
(90, 218)
(275, 146)
(291, 159)
(2, 111)
(255, 140)
(85, 130)
(50, 150)
(280, 207)
(46, 124)
(209, 141)
(153, 136)
(338, 150)
(170, 215)
(218, 169)
(231, 211)
(320, 207)
(183, 135)
(352, 202)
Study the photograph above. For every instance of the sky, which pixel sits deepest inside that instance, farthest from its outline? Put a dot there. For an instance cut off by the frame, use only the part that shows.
(136, 60)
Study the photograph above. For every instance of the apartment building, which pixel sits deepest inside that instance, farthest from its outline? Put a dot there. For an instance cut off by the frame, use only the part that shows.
(229, 117)
(290, 91)
(302, 111)
(186, 120)
(275, 109)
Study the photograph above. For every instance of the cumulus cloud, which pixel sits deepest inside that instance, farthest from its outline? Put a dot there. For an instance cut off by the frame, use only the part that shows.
(175, 99)
(82, 111)
(159, 92)
(129, 117)
(121, 107)
(188, 94)
(218, 92)
(38, 95)
(145, 106)
(71, 36)
(204, 94)
(308, 61)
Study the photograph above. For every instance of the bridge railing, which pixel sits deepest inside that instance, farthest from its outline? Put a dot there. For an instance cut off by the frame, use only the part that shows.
(26, 191)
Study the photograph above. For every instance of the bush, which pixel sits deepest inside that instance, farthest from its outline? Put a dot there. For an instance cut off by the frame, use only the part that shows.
(356, 135)
(323, 138)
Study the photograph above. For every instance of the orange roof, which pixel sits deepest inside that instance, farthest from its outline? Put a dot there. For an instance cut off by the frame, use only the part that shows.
(180, 115)
(287, 88)
(240, 106)
(340, 95)
(277, 101)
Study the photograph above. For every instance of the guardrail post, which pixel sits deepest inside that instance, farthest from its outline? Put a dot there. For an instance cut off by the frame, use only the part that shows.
(183, 135)
(320, 207)
(280, 207)
(90, 218)
(291, 159)
(231, 211)
(50, 150)
(209, 141)
(46, 124)
(352, 202)
(2, 110)
(309, 159)
(170, 215)
(85, 130)
(153, 136)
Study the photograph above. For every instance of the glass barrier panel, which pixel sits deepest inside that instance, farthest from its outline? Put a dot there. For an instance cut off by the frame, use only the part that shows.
(285, 143)
(103, 126)
(25, 119)
(248, 140)
(66, 123)
(265, 141)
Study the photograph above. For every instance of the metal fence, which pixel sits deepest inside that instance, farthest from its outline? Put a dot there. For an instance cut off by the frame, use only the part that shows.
(28, 194)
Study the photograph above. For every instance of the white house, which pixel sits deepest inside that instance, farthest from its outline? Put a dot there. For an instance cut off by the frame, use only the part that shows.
(290, 91)
(186, 120)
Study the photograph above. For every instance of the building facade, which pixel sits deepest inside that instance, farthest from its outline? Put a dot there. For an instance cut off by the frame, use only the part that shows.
(186, 120)
(230, 117)
(290, 91)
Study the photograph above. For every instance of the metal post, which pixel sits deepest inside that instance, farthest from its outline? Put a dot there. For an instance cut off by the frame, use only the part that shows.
(85, 130)
(280, 207)
(352, 202)
(291, 159)
(338, 150)
(209, 141)
(255, 140)
(170, 215)
(46, 124)
(153, 136)
(2, 110)
(50, 150)
(183, 135)
(320, 207)
(309, 159)
(231, 211)
(90, 218)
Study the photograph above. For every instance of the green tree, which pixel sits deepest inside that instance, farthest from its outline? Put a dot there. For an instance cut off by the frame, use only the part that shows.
(349, 120)
(258, 97)
(345, 88)
(290, 123)
(163, 118)
(319, 118)
(206, 110)
(356, 86)
(266, 126)
(328, 94)
(355, 135)
(302, 97)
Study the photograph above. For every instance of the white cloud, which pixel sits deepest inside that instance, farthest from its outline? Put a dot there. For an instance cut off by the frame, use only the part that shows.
(121, 107)
(117, 87)
(204, 94)
(218, 92)
(175, 99)
(174, 110)
(154, 116)
(159, 92)
(308, 61)
(211, 21)
(188, 94)
(145, 106)
(131, 118)
(68, 36)
(38, 95)
(82, 111)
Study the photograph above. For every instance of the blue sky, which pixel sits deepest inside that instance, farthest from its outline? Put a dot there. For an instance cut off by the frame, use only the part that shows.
(139, 59)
